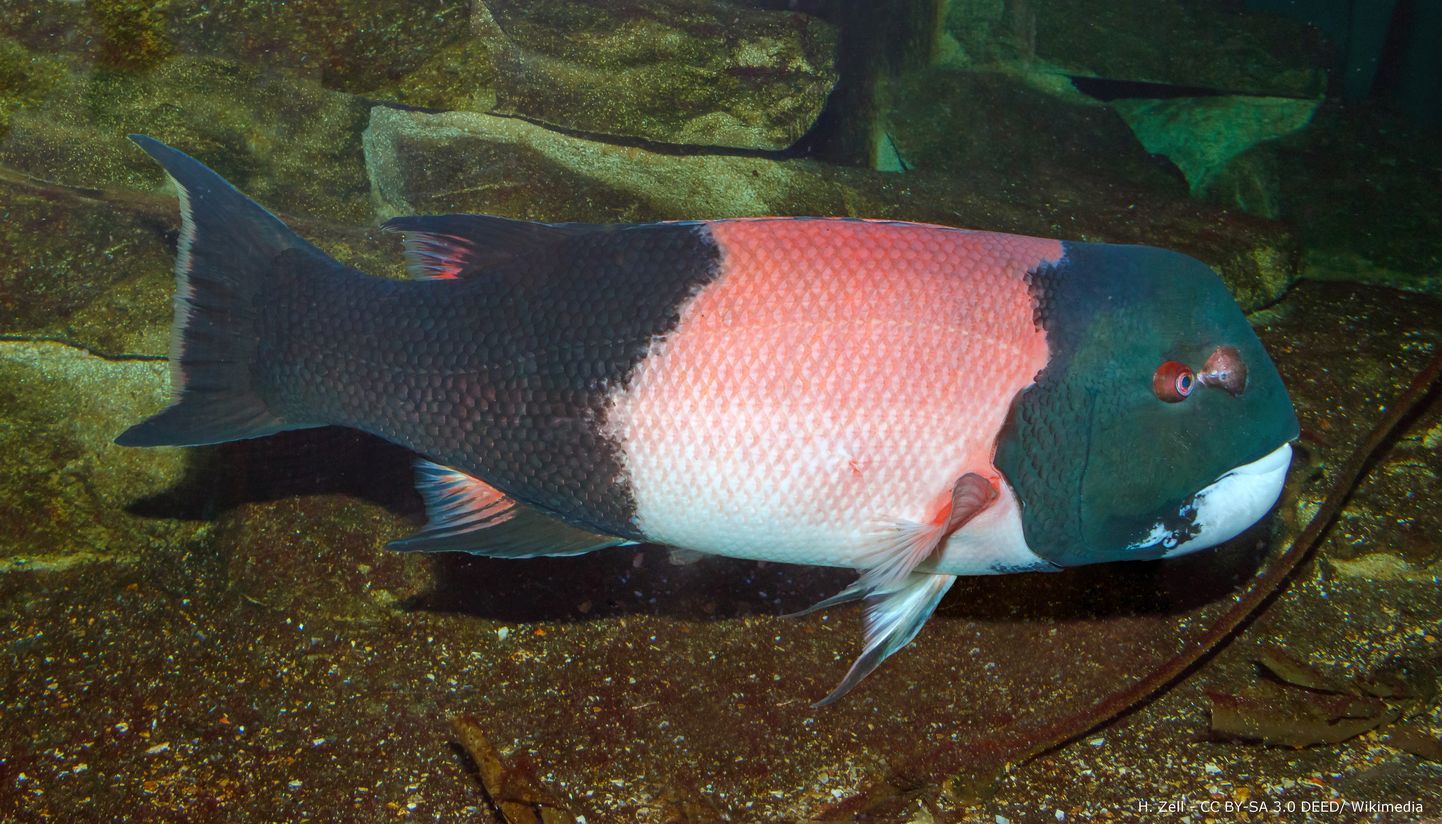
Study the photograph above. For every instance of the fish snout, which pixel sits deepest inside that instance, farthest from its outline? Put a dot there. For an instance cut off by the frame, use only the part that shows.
(1222, 510)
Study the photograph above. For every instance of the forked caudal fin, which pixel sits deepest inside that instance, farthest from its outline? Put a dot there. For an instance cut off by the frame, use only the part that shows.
(229, 246)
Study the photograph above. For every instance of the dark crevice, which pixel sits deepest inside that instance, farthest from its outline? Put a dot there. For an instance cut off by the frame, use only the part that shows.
(1106, 89)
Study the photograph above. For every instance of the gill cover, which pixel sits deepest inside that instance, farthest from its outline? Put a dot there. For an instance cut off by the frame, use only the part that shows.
(1095, 457)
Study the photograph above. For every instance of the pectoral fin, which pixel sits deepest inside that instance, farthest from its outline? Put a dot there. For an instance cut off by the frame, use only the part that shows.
(901, 546)
(465, 514)
(900, 599)
(892, 620)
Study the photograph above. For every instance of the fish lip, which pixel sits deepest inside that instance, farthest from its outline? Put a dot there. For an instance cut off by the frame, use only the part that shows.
(1222, 510)
(1278, 459)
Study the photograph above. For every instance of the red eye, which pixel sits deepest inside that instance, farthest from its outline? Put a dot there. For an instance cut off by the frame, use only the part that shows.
(1173, 382)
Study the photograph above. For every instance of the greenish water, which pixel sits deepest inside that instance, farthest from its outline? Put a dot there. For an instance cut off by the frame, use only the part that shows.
(219, 633)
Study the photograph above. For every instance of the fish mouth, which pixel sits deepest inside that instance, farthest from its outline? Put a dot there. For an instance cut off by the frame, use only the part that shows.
(1222, 510)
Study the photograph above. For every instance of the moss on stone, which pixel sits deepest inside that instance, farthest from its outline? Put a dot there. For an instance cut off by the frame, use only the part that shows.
(26, 79)
(699, 72)
(133, 33)
(65, 489)
(286, 141)
(356, 46)
(459, 76)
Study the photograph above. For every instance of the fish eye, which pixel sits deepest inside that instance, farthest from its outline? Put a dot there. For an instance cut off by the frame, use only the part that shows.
(1173, 382)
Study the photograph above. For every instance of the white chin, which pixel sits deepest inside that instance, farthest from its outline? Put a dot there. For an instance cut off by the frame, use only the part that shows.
(1228, 506)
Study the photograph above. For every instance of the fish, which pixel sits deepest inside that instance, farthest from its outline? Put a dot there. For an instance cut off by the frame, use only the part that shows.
(910, 401)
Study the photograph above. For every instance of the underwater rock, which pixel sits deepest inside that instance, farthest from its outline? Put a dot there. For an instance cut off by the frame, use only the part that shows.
(51, 25)
(1201, 135)
(512, 789)
(696, 72)
(356, 46)
(458, 77)
(26, 79)
(1295, 718)
(1363, 189)
(65, 489)
(1250, 182)
(94, 267)
(359, 47)
(289, 142)
(83, 271)
(1190, 43)
(992, 125)
(466, 162)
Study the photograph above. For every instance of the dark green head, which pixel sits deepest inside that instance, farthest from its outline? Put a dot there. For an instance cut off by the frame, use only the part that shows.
(1140, 439)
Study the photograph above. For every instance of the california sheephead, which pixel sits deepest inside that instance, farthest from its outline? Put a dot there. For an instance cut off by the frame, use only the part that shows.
(914, 402)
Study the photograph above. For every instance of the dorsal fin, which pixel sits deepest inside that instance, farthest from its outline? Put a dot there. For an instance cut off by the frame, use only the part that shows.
(458, 246)
(465, 514)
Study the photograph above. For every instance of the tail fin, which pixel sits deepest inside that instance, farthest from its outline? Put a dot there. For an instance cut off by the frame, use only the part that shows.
(228, 247)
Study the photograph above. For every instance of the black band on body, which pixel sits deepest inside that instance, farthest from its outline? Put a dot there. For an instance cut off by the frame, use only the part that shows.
(504, 374)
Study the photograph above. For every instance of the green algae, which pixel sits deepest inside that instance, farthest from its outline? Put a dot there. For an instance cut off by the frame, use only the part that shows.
(697, 73)
(26, 79)
(289, 142)
(133, 33)
(64, 487)
(457, 77)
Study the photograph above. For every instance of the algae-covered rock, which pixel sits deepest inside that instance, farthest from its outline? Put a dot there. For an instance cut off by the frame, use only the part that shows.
(286, 141)
(1193, 43)
(350, 45)
(1364, 190)
(980, 125)
(703, 72)
(95, 267)
(84, 271)
(25, 79)
(50, 25)
(458, 77)
(467, 162)
(65, 489)
(1201, 135)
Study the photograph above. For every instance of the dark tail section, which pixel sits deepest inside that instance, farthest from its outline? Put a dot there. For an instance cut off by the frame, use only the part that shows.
(229, 246)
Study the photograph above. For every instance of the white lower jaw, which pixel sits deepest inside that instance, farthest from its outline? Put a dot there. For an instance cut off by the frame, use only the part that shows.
(1228, 506)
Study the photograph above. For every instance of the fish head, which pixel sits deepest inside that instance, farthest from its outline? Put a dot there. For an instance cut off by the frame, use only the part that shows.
(1159, 425)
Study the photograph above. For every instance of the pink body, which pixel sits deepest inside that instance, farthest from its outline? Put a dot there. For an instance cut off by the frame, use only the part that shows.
(837, 377)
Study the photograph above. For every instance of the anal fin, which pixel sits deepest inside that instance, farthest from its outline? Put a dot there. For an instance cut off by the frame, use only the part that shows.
(465, 514)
